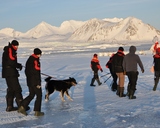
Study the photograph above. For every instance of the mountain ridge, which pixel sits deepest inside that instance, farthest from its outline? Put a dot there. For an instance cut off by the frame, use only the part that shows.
(93, 30)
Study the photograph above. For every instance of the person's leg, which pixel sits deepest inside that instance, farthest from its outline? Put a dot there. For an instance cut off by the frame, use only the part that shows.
(121, 84)
(93, 79)
(133, 81)
(10, 94)
(118, 87)
(114, 86)
(97, 78)
(156, 80)
(14, 82)
(24, 104)
(38, 102)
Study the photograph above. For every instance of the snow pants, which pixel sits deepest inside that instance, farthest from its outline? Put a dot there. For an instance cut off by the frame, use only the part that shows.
(132, 77)
(14, 90)
(114, 76)
(33, 90)
(96, 77)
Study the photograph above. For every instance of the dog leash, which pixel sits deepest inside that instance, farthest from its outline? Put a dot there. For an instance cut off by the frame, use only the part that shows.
(43, 74)
(48, 75)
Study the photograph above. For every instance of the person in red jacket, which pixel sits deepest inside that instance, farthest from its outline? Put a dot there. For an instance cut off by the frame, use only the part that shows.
(95, 66)
(10, 68)
(156, 62)
(33, 74)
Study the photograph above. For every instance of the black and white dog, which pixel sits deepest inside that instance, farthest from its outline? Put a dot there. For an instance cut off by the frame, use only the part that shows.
(59, 85)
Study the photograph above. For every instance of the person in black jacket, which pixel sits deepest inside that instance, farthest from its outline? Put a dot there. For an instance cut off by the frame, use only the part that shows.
(156, 61)
(10, 68)
(113, 74)
(117, 67)
(95, 66)
(33, 75)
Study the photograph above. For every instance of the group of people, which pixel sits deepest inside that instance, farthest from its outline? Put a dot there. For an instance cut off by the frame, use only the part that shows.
(10, 71)
(120, 65)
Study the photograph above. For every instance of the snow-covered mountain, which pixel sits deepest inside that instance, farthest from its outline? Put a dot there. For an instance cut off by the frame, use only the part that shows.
(129, 29)
(99, 30)
(115, 19)
(9, 32)
(88, 29)
(42, 29)
(70, 26)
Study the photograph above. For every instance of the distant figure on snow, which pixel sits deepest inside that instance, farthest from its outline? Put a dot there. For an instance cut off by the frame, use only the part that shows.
(155, 45)
(156, 62)
(95, 66)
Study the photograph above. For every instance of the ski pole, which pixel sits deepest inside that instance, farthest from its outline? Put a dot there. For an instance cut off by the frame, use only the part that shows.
(105, 74)
(107, 79)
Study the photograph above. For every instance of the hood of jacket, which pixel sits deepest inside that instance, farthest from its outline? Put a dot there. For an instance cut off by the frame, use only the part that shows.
(132, 49)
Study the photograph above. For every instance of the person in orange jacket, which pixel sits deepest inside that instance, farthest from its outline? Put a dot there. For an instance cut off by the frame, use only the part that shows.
(95, 66)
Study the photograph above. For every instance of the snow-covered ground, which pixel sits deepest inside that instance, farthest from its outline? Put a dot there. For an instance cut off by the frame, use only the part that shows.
(92, 107)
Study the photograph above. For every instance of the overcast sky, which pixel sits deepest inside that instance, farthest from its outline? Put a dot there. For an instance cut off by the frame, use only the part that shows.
(23, 15)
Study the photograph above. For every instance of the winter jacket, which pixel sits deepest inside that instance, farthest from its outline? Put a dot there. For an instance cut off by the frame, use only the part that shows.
(95, 64)
(131, 60)
(155, 45)
(9, 62)
(156, 61)
(117, 61)
(33, 71)
(109, 63)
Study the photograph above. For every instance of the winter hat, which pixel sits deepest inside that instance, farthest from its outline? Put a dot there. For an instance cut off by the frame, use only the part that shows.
(95, 55)
(15, 42)
(121, 48)
(37, 51)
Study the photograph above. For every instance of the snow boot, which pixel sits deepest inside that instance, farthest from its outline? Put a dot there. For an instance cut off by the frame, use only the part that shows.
(22, 110)
(98, 81)
(19, 102)
(121, 92)
(10, 107)
(154, 88)
(155, 84)
(92, 82)
(113, 86)
(118, 90)
(131, 95)
(38, 113)
(128, 88)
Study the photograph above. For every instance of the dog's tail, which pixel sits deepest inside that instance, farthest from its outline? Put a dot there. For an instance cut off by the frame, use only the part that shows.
(48, 79)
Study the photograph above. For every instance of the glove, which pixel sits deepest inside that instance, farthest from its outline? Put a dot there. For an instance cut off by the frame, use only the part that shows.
(38, 86)
(19, 66)
(142, 70)
(101, 70)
